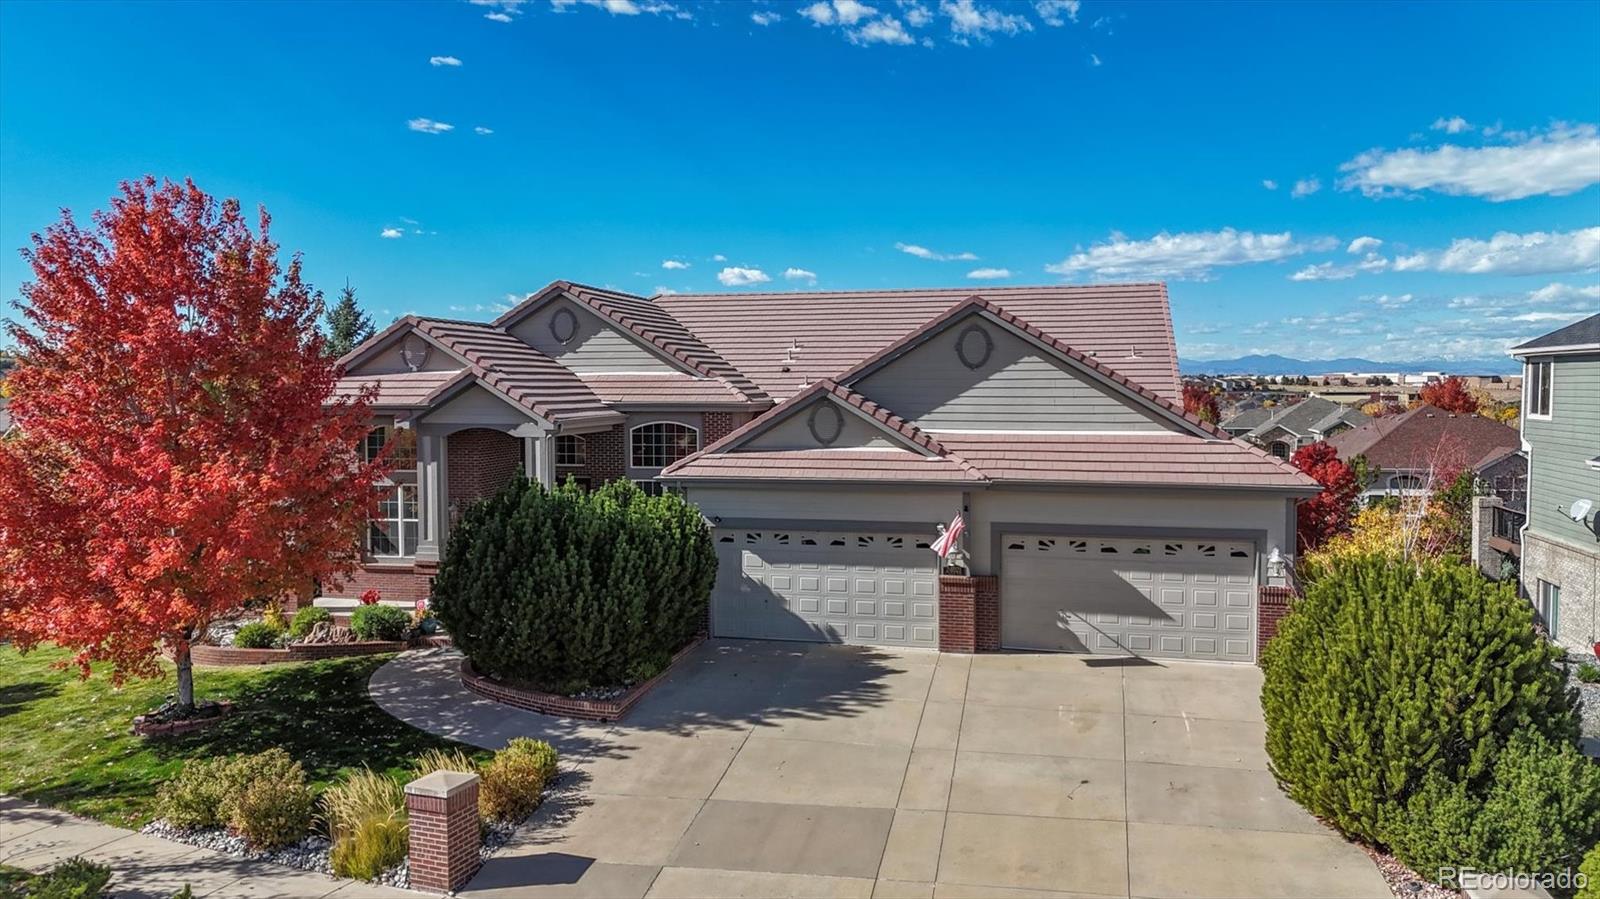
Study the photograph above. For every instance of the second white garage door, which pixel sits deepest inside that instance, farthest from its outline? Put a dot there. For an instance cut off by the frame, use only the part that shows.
(841, 587)
(1187, 599)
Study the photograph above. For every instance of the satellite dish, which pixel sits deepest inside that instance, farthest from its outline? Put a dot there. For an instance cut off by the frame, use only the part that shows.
(1579, 510)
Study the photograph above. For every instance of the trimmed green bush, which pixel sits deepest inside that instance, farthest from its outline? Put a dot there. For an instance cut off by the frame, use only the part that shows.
(1386, 673)
(512, 785)
(379, 623)
(567, 589)
(256, 635)
(306, 619)
(1540, 812)
(263, 797)
(1590, 869)
(74, 878)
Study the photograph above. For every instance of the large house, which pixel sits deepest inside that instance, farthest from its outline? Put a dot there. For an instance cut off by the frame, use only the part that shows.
(827, 436)
(1410, 451)
(1281, 430)
(1561, 437)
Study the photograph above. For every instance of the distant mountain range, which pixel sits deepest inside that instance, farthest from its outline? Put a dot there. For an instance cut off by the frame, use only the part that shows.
(1284, 365)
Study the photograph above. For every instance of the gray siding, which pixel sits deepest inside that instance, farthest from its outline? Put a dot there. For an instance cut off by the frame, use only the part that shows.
(794, 433)
(595, 348)
(1557, 469)
(477, 407)
(1016, 389)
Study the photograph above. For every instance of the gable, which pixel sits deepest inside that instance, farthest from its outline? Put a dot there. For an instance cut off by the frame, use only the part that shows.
(390, 359)
(977, 375)
(823, 424)
(478, 406)
(584, 342)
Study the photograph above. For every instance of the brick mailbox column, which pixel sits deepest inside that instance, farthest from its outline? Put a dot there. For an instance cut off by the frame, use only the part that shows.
(969, 613)
(1274, 604)
(443, 808)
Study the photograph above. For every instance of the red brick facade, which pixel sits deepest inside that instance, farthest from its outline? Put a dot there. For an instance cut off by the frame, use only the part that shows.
(444, 836)
(1273, 605)
(480, 462)
(969, 613)
(393, 580)
(718, 425)
(604, 458)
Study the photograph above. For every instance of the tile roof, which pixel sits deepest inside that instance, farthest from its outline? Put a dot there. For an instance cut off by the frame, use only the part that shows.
(1126, 327)
(533, 380)
(1159, 460)
(1249, 419)
(1314, 413)
(1413, 439)
(1579, 333)
(400, 390)
(897, 465)
(662, 389)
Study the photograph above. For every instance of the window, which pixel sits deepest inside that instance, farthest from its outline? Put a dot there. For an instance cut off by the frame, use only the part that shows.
(1280, 449)
(657, 488)
(1403, 482)
(1540, 375)
(571, 450)
(404, 453)
(394, 532)
(376, 438)
(661, 443)
(1548, 603)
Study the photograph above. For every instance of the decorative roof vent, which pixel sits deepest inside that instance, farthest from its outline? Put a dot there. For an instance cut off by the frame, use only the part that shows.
(414, 352)
(974, 346)
(563, 326)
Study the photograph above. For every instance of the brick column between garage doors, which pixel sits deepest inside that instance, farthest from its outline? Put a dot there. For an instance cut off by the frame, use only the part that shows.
(1273, 604)
(969, 613)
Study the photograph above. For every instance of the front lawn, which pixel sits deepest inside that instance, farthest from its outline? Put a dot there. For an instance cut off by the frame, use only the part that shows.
(65, 742)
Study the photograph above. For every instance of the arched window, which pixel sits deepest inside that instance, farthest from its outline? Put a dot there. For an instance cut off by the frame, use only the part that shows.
(1403, 482)
(1280, 449)
(661, 443)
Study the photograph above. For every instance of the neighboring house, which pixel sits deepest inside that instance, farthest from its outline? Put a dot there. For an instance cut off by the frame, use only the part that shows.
(1500, 509)
(1284, 429)
(1407, 452)
(826, 436)
(1561, 436)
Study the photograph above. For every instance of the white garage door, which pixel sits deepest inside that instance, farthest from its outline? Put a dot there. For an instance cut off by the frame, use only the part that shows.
(839, 587)
(1179, 598)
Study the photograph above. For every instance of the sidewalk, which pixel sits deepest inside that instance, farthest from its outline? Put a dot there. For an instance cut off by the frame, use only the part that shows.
(143, 867)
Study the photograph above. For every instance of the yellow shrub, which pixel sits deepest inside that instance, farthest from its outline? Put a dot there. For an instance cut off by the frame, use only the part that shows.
(366, 818)
(513, 783)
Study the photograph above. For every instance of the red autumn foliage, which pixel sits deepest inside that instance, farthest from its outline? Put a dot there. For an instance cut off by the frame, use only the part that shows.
(1330, 512)
(1451, 395)
(175, 457)
(1199, 401)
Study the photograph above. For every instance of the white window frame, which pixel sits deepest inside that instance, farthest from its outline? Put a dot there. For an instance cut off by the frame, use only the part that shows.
(1532, 381)
(582, 450)
(1547, 603)
(1288, 449)
(632, 462)
(398, 523)
(368, 452)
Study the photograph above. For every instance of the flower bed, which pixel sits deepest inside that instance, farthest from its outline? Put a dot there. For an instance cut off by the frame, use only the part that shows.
(204, 654)
(161, 721)
(589, 708)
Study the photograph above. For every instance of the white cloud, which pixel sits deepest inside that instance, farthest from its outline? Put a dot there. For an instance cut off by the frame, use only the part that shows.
(479, 129)
(443, 61)
(733, 276)
(500, 10)
(925, 253)
(1323, 271)
(1388, 301)
(841, 12)
(989, 274)
(719, 258)
(886, 30)
(1534, 253)
(1558, 292)
(497, 17)
(1056, 13)
(674, 264)
(1190, 255)
(391, 233)
(799, 274)
(1452, 125)
(429, 126)
(968, 20)
(765, 17)
(1305, 187)
(917, 15)
(664, 291)
(625, 7)
(1269, 184)
(1363, 244)
(1094, 59)
(1557, 163)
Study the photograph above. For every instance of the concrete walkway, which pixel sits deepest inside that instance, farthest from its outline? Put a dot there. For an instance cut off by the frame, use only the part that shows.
(35, 838)
(770, 769)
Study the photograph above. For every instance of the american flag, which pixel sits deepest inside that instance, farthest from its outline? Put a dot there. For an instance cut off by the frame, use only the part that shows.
(947, 540)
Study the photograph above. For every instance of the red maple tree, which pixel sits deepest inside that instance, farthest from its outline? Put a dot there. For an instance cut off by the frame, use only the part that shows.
(1201, 402)
(1330, 512)
(1451, 395)
(175, 456)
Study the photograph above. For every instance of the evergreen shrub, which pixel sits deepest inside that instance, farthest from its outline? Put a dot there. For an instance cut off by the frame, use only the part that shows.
(379, 623)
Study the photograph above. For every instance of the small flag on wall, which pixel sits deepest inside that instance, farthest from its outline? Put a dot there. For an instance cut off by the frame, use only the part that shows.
(947, 540)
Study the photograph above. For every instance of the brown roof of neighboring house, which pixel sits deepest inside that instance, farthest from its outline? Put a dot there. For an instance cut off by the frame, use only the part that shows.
(1426, 436)
(1125, 327)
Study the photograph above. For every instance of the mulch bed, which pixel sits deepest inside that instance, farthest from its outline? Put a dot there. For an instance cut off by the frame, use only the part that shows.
(588, 708)
(160, 722)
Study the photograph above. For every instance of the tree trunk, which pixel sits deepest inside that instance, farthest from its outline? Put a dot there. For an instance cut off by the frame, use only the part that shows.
(185, 676)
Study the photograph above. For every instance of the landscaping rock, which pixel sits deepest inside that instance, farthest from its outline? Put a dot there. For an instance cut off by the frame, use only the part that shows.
(1588, 695)
(328, 632)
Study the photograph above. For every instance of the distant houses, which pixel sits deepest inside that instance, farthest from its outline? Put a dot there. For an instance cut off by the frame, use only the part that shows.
(1408, 453)
(1280, 430)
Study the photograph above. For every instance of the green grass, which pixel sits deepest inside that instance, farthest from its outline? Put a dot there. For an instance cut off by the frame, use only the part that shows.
(64, 742)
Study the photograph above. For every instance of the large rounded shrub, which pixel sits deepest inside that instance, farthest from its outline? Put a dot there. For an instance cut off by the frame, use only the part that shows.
(1387, 672)
(567, 589)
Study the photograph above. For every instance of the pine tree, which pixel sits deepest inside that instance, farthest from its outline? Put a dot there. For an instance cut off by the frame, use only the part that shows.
(347, 325)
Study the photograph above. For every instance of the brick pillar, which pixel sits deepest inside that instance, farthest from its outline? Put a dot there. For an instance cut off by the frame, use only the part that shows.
(969, 613)
(1273, 605)
(443, 808)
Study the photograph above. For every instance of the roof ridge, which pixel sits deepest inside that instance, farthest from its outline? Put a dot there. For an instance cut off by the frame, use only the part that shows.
(911, 290)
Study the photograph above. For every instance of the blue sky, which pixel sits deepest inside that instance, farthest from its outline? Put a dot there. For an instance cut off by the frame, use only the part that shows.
(1249, 154)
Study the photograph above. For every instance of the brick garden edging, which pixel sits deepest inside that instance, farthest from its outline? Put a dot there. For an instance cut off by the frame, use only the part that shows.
(567, 706)
(225, 656)
(142, 728)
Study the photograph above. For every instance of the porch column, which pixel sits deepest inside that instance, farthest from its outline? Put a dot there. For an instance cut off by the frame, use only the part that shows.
(430, 495)
(539, 458)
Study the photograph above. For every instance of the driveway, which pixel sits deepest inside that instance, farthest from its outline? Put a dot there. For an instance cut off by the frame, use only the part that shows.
(770, 769)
